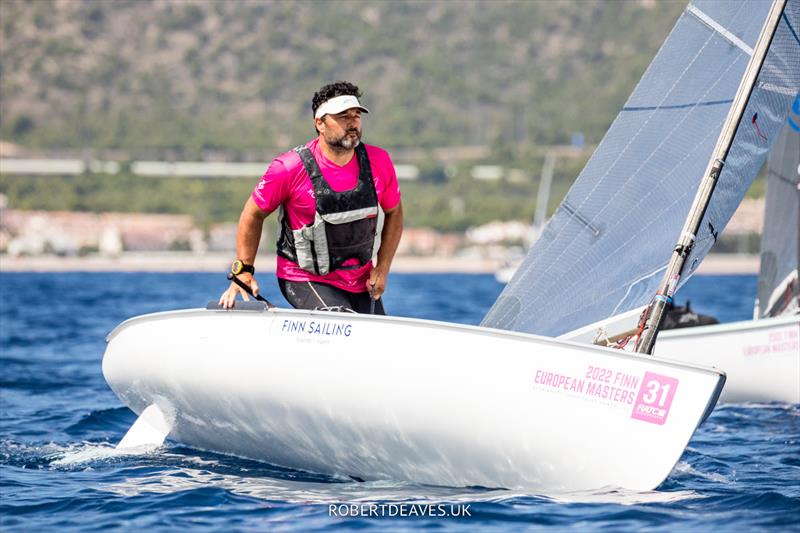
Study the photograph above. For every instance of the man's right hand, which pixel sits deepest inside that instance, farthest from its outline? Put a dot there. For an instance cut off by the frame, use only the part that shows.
(229, 296)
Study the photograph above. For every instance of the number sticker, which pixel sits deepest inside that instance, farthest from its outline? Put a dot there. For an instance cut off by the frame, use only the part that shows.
(655, 398)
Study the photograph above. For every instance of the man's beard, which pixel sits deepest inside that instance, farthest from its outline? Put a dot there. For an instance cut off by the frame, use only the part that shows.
(345, 142)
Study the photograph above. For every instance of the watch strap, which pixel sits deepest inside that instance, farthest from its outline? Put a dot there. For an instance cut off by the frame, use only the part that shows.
(240, 266)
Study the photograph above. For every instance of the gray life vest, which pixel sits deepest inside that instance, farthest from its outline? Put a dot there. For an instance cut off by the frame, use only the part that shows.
(345, 223)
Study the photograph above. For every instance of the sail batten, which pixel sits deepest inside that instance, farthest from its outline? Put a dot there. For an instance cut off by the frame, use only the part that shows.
(713, 24)
(676, 106)
(605, 247)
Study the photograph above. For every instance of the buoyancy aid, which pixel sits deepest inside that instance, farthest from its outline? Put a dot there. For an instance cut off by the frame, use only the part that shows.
(345, 223)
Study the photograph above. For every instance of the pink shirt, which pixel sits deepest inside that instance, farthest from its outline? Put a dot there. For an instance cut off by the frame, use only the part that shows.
(286, 182)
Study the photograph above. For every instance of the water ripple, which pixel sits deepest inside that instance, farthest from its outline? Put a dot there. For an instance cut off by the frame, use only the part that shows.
(59, 423)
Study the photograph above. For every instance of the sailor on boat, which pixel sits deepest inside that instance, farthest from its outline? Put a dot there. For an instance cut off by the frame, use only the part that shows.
(328, 193)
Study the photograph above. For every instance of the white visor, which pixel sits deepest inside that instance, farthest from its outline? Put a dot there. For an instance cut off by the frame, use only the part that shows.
(339, 104)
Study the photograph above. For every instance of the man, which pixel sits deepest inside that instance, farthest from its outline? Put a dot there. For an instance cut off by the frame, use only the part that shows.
(327, 193)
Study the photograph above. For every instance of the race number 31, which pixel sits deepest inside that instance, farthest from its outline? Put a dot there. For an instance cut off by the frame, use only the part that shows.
(655, 398)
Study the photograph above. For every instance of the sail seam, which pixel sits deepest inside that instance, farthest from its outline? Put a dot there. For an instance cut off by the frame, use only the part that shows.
(719, 28)
(676, 106)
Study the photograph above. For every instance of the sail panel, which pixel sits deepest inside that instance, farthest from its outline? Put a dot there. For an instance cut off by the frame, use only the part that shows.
(778, 284)
(775, 89)
(605, 249)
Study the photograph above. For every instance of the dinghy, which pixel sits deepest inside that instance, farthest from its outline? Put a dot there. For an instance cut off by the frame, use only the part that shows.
(377, 397)
(495, 406)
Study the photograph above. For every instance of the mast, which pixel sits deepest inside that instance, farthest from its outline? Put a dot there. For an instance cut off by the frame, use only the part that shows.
(654, 314)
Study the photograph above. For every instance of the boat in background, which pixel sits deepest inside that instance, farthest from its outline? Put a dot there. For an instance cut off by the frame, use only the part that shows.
(762, 356)
(493, 405)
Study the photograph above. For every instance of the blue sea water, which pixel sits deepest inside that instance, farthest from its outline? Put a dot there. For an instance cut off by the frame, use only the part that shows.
(59, 423)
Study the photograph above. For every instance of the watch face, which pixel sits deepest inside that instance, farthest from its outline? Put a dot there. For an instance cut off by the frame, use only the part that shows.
(236, 267)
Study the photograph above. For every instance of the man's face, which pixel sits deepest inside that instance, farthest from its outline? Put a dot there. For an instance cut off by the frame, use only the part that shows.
(341, 131)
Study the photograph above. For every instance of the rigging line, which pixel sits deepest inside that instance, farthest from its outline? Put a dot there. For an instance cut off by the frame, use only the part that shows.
(791, 29)
(719, 28)
(676, 106)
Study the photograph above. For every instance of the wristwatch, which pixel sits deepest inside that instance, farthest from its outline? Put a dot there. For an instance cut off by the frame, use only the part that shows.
(238, 267)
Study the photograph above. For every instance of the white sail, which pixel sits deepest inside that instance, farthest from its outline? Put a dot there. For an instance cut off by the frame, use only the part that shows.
(605, 250)
(778, 285)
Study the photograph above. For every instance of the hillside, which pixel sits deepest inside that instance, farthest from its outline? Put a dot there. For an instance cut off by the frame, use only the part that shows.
(193, 79)
(487, 82)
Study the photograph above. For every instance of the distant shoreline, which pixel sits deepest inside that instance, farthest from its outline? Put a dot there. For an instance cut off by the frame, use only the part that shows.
(220, 262)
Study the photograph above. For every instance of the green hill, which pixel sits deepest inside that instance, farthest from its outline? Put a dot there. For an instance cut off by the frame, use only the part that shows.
(238, 76)
(133, 79)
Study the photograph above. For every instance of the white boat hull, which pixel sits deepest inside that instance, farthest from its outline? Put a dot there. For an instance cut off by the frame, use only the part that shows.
(761, 357)
(404, 399)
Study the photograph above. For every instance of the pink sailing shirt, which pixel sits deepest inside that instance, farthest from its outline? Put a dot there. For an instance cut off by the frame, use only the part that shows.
(286, 183)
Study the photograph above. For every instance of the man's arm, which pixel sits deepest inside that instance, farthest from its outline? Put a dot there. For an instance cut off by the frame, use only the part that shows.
(248, 235)
(390, 239)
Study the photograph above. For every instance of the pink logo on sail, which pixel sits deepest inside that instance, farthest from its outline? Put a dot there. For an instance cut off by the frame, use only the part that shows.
(655, 398)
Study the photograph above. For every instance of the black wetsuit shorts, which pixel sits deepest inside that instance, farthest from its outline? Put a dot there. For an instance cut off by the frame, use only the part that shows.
(312, 295)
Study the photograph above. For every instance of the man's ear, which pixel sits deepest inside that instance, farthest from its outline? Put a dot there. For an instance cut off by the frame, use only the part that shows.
(319, 124)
